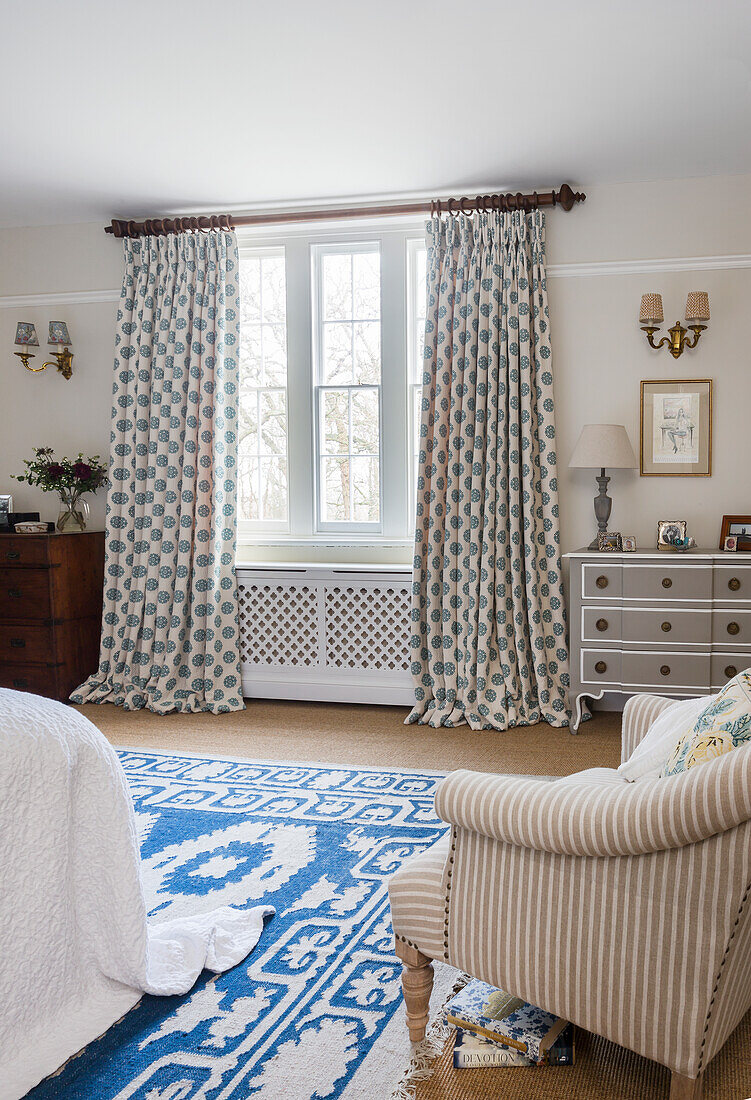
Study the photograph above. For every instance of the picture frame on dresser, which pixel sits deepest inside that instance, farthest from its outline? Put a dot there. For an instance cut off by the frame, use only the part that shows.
(739, 528)
(643, 622)
(675, 428)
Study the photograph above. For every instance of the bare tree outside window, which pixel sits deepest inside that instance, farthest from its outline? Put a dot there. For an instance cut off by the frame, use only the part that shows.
(349, 373)
(262, 441)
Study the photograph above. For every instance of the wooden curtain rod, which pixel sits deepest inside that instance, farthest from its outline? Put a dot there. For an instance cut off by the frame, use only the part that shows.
(564, 197)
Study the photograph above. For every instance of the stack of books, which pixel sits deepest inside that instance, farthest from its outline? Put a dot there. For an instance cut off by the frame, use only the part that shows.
(496, 1029)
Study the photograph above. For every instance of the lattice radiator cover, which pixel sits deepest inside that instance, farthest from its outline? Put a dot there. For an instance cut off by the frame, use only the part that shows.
(324, 634)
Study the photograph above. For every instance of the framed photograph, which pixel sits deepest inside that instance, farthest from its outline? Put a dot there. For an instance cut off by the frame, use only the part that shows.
(730, 543)
(739, 528)
(676, 428)
(670, 532)
(629, 543)
(610, 541)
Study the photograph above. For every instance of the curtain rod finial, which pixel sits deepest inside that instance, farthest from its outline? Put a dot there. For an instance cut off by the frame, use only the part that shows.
(566, 197)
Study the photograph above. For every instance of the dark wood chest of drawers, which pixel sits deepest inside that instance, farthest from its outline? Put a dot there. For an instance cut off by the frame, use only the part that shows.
(50, 611)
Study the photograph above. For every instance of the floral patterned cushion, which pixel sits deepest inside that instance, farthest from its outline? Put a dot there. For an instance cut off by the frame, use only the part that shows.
(724, 724)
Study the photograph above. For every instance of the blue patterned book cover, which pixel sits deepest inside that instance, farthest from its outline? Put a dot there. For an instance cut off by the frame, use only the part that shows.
(497, 1015)
(473, 1051)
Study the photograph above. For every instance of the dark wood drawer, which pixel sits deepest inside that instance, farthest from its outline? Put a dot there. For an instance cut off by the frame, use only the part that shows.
(24, 549)
(24, 642)
(36, 678)
(668, 582)
(24, 593)
(666, 670)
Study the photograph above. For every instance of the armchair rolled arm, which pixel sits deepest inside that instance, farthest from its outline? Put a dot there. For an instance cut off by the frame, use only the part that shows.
(587, 820)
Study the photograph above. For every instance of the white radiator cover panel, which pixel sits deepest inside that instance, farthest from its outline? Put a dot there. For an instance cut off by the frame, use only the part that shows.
(324, 633)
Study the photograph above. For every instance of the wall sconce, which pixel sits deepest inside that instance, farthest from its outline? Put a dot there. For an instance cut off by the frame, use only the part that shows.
(26, 336)
(651, 317)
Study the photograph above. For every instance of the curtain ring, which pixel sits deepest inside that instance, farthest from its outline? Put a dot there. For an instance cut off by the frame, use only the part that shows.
(467, 213)
(449, 203)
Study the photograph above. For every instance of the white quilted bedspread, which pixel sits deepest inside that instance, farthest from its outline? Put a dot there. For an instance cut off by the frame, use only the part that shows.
(76, 951)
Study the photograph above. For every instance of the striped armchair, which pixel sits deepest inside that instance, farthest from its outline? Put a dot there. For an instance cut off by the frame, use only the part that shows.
(625, 909)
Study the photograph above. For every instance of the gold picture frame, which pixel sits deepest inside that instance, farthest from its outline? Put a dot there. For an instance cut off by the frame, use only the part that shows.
(675, 427)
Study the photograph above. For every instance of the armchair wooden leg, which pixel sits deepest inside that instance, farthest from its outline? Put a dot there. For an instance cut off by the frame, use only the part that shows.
(417, 984)
(686, 1088)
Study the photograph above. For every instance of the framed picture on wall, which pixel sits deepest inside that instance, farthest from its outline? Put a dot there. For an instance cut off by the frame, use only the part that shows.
(676, 428)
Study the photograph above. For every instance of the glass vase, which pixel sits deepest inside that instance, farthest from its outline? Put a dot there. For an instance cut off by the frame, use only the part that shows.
(74, 513)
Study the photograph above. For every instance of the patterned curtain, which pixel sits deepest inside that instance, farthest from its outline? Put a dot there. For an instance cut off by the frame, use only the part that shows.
(170, 629)
(488, 617)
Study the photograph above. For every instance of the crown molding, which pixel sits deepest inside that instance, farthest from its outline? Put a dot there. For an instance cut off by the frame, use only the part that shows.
(68, 298)
(646, 267)
(554, 271)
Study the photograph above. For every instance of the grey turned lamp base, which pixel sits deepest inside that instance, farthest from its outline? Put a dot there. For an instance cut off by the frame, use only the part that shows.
(603, 507)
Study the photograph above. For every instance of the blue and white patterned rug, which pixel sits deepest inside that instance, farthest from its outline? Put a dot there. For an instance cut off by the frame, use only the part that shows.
(311, 1012)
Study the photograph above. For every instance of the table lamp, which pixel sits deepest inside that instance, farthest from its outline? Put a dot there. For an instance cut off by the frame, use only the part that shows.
(603, 446)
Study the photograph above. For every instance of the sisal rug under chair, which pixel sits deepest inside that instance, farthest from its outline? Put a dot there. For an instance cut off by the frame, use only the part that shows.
(603, 1071)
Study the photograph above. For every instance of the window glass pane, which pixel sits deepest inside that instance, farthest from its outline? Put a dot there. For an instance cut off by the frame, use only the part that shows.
(337, 286)
(335, 490)
(337, 352)
(365, 425)
(366, 286)
(335, 427)
(274, 489)
(365, 503)
(419, 306)
(367, 352)
(262, 442)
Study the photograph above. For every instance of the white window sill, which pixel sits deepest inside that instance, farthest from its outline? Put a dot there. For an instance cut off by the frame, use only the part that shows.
(326, 550)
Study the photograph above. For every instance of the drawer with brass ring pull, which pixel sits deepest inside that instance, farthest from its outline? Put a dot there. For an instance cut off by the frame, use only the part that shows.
(665, 669)
(668, 582)
(732, 624)
(727, 665)
(662, 626)
(600, 581)
(601, 666)
(602, 623)
(23, 642)
(732, 582)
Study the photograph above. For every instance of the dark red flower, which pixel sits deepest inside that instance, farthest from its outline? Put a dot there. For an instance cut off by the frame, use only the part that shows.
(55, 470)
(82, 471)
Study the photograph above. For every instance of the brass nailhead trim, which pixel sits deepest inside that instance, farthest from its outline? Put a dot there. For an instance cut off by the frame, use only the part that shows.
(448, 897)
(719, 972)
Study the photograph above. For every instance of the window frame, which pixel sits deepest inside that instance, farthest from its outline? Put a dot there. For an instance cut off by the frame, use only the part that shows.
(304, 537)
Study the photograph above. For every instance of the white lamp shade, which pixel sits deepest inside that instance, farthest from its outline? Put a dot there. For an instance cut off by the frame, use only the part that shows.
(603, 446)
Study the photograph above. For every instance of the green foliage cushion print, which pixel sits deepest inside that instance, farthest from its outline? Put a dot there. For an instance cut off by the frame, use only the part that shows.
(489, 643)
(170, 628)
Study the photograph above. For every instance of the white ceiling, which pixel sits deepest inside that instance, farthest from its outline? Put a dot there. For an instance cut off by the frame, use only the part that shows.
(152, 107)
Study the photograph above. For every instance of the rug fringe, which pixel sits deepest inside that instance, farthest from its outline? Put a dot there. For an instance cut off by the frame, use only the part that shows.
(425, 1052)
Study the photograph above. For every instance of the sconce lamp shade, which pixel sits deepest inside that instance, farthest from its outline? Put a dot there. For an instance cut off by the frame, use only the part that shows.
(697, 306)
(58, 333)
(603, 446)
(26, 333)
(651, 310)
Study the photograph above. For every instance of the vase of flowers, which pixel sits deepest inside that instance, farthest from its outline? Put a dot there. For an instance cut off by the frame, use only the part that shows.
(70, 478)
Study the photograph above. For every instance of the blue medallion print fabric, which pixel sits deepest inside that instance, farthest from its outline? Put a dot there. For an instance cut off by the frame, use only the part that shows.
(301, 1015)
(489, 643)
(170, 627)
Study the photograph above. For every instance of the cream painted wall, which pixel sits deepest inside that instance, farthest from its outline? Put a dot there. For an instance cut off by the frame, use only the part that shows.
(600, 355)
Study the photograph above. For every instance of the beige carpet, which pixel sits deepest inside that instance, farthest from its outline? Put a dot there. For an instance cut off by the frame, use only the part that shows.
(337, 733)
(603, 1071)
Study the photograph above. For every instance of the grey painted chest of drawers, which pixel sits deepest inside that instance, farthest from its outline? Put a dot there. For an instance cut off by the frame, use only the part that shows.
(670, 624)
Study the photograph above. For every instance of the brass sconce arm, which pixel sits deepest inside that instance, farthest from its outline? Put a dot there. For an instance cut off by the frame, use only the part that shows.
(62, 360)
(678, 340)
